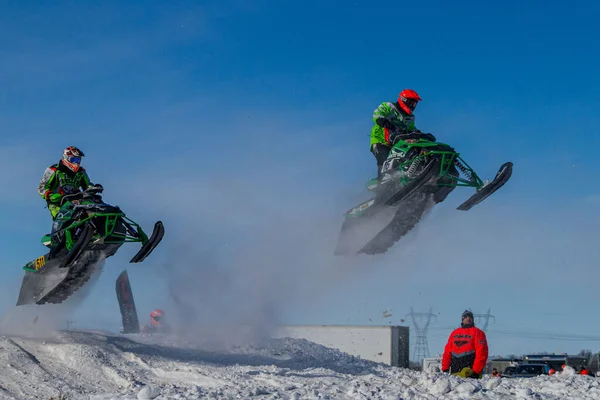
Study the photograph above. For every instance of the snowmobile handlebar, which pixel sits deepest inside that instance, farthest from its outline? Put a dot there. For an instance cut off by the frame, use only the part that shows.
(94, 189)
(413, 136)
(87, 193)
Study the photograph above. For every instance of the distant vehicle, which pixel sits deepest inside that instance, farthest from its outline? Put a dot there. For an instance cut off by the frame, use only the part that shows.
(502, 363)
(508, 372)
(527, 371)
(431, 363)
(556, 361)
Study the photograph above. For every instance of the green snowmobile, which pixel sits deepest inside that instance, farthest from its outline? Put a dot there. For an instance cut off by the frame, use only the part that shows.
(418, 173)
(85, 232)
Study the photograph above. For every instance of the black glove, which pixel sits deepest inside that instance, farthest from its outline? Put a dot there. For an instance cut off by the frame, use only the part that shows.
(428, 136)
(97, 187)
(385, 123)
(388, 124)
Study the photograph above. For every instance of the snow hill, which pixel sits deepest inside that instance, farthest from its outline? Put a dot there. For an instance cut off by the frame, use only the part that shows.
(100, 365)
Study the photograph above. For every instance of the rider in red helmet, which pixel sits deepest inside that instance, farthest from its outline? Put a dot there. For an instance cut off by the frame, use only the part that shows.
(392, 119)
(157, 322)
(156, 316)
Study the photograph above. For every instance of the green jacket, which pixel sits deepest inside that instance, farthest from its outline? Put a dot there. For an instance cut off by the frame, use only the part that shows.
(390, 111)
(59, 180)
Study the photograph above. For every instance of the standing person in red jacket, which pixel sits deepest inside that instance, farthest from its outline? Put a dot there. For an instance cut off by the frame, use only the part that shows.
(466, 352)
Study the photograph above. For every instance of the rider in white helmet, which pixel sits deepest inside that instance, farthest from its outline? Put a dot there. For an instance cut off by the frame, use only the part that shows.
(65, 177)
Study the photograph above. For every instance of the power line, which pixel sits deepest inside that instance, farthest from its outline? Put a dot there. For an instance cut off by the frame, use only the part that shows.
(421, 346)
(486, 316)
(531, 334)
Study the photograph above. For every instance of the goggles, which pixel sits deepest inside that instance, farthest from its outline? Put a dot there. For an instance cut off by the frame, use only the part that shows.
(410, 103)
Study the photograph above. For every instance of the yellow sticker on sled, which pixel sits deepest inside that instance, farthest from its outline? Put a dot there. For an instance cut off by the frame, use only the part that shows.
(40, 262)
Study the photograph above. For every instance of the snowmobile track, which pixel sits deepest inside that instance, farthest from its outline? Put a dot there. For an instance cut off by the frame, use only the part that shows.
(76, 281)
(409, 213)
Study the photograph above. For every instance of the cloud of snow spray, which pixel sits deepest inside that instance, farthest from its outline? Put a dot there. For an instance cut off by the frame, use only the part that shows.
(43, 321)
(250, 243)
(242, 299)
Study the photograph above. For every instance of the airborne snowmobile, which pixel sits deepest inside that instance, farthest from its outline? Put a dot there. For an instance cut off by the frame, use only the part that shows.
(418, 173)
(85, 232)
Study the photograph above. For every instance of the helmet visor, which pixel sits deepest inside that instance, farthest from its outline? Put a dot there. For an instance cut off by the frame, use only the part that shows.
(411, 103)
(156, 318)
(74, 160)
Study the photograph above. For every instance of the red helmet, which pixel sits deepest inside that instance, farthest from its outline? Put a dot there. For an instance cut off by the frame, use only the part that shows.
(72, 158)
(156, 316)
(408, 100)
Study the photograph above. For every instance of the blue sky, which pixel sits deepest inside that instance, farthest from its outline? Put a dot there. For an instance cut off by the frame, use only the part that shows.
(244, 126)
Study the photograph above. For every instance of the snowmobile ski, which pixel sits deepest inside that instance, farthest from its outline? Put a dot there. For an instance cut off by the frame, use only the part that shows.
(80, 244)
(415, 183)
(484, 192)
(157, 235)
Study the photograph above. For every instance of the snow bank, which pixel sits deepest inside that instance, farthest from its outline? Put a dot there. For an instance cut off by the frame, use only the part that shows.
(102, 366)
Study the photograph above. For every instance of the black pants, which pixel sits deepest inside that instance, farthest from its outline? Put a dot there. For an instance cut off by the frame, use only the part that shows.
(381, 152)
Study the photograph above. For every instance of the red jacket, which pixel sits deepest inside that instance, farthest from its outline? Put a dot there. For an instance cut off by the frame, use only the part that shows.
(466, 347)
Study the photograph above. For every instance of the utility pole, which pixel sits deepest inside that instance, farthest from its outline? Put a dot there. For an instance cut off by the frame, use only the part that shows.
(487, 316)
(422, 346)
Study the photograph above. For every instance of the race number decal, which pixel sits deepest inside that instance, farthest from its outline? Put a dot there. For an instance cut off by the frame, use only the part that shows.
(40, 262)
(362, 207)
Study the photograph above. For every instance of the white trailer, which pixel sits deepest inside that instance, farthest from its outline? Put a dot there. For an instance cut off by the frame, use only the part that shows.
(384, 344)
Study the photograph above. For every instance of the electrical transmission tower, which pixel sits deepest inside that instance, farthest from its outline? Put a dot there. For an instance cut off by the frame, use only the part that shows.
(421, 347)
(486, 317)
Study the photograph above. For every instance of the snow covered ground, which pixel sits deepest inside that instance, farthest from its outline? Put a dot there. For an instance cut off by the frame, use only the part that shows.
(102, 366)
